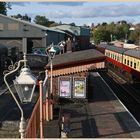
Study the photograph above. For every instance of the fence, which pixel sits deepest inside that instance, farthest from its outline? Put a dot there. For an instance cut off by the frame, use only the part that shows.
(33, 126)
(34, 122)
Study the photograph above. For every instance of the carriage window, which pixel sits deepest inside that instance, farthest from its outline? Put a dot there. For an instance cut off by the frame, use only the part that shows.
(115, 57)
(127, 62)
(131, 64)
(108, 54)
(118, 58)
(124, 61)
(135, 65)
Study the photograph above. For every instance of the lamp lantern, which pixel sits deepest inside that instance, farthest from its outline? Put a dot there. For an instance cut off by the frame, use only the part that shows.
(61, 45)
(52, 51)
(25, 85)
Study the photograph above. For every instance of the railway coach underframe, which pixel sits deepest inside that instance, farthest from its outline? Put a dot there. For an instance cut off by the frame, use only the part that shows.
(121, 72)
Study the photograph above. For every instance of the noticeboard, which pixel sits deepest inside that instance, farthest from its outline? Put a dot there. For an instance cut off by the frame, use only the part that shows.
(79, 87)
(64, 87)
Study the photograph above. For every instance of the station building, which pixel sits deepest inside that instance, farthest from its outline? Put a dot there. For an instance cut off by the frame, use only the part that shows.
(79, 35)
(25, 35)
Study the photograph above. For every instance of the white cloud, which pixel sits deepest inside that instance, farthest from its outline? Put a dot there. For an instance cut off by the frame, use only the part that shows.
(20, 3)
(80, 12)
(63, 3)
(100, 11)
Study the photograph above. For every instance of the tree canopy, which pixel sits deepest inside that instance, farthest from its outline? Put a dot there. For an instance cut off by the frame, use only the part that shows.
(3, 7)
(42, 20)
(108, 32)
(23, 17)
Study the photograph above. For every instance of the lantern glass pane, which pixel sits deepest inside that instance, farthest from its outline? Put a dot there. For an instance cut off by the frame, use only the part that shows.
(52, 54)
(25, 92)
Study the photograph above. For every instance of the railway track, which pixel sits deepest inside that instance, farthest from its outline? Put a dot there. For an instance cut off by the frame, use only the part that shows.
(132, 91)
(128, 95)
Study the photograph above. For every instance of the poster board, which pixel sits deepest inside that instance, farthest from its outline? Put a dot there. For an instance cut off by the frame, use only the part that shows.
(64, 87)
(79, 87)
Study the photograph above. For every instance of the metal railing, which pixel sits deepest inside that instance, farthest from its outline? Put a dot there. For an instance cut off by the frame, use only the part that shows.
(33, 126)
(34, 122)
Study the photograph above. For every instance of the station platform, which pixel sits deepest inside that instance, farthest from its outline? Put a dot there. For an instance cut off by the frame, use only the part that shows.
(103, 116)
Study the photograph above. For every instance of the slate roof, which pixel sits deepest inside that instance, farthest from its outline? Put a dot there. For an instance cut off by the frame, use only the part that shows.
(33, 24)
(133, 53)
(72, 29)
(77, 58)
(104, 46)
(116, 49)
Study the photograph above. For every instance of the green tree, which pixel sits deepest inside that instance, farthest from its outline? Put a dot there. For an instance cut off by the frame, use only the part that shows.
(26, 17)
(42, 20)
(119, 32)
(100, 34)
(3, 7)
(104, 24)
(105, 32)
(122, 30)
(135, 35)
(23, 17)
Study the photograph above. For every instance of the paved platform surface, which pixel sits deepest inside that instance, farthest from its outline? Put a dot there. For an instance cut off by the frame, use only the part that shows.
(102, 117)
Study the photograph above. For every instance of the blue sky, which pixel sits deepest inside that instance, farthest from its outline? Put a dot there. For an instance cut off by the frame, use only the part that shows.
(80, 12)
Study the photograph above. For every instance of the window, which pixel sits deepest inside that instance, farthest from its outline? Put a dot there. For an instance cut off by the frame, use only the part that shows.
(1, 26)
(118, 58)
(134, 65)
(115, 57)
(124, 61)
(13, 26)
(131, 64)
(127, 62)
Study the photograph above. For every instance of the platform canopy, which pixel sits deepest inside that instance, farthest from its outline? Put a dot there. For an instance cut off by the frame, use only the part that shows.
(80, 61)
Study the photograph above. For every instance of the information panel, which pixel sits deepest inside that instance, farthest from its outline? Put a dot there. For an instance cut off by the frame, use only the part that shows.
(65, 87)
(79, 87)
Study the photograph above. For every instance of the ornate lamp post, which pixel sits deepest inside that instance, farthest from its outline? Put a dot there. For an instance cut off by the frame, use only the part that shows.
(51, 54)
(24, 84)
